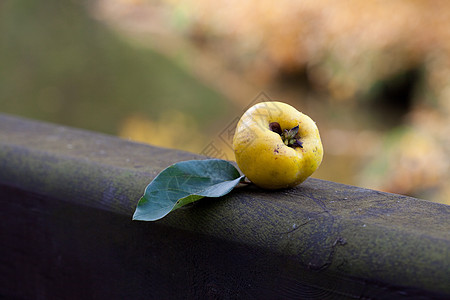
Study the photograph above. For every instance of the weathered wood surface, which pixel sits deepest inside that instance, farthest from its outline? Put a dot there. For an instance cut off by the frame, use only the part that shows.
(67, 197)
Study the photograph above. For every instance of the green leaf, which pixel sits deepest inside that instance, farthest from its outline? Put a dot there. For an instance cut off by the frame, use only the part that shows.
(183, 183)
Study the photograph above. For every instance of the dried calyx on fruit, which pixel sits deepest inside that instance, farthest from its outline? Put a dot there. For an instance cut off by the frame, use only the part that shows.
(289, 136)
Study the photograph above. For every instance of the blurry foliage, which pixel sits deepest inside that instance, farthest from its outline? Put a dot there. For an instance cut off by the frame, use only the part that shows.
(58, 64)
(172, 129)
(344, 46)
(412, 163)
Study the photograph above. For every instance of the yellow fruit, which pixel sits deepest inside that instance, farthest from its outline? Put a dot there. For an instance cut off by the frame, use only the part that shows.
(276, 146)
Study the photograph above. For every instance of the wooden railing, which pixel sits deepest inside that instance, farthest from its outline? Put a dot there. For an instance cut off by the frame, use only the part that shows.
(67, 197)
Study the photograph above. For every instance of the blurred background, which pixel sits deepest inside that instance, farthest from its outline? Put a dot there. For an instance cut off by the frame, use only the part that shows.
(374, 75)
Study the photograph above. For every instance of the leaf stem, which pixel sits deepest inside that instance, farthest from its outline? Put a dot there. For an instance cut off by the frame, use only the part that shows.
(244, 180)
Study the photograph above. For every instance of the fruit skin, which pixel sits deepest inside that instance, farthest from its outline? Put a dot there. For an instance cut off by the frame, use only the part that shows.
(261, 153)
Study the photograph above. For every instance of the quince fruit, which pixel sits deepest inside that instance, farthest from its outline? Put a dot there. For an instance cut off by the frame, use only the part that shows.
(276, 146)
